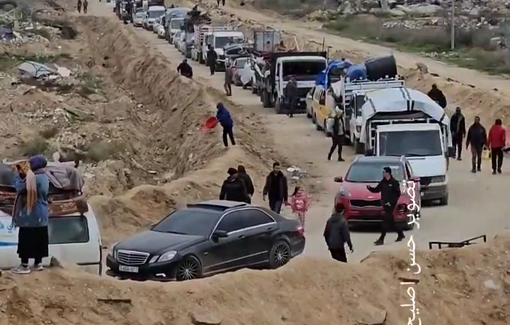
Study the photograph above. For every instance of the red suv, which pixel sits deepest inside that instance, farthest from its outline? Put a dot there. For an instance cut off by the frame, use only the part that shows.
(362, 206)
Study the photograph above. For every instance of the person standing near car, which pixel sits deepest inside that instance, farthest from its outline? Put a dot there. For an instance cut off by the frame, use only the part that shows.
(496, 142)
(212, 57)
(229, 75)
(291, 95)
(477, 138)
(389, 188)
(458, 129)
(233, 188)
(337, 133)
(31, 213)
(241, 172)
(337, 234)
(276, 189)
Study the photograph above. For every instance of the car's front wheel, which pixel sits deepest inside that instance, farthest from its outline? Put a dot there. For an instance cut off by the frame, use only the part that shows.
(279, 255)
(190, 268)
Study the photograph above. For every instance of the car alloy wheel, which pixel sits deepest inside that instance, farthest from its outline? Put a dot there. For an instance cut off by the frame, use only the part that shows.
(280, 254)
(189, 269)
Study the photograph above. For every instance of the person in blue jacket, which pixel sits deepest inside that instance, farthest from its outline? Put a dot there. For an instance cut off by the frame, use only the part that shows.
(226, 121)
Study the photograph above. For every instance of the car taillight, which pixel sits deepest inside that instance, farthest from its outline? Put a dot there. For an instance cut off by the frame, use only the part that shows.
(301, 230)
(402, 208)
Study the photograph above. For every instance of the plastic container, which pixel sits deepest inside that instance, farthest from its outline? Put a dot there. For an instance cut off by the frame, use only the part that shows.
(210, 123)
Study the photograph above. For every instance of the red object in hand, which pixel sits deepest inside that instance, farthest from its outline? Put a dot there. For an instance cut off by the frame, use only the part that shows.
(211, 123)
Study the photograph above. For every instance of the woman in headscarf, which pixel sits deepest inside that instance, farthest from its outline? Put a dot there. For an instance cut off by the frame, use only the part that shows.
(31, 212)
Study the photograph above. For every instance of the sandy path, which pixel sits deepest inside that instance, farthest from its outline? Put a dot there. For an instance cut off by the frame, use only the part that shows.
(475, 200)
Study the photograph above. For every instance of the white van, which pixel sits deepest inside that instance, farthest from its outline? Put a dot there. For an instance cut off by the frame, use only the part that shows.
(74, 238)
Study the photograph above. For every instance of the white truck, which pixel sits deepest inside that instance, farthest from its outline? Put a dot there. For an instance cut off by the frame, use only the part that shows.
(280, 66)
(198, 39)
(219, 37)
(353, 98)
(406, 122)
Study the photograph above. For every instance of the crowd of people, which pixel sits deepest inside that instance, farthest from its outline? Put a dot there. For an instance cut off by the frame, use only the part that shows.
(84, 5)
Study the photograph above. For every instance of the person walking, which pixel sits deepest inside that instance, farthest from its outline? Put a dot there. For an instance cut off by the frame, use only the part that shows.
(389, 188)
(223, 3)
(229, 75)
(31, 213)
(337, 133)
(78, 6)
(233, 188)
(300, 202)
(227, 123)
(241, 173)
(185, 69)
(496, 142)
(477, 138)
(290, 93)
(336, 234)
(437, 95)
(85, 6)
(211, 59)
(458, 129)
(276, 189)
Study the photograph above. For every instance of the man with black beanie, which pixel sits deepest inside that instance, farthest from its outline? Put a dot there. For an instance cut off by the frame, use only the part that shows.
(389, 188)
(233, 188)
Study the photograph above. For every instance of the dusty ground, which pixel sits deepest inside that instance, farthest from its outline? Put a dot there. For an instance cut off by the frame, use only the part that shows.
(311, 290)
(458, 286)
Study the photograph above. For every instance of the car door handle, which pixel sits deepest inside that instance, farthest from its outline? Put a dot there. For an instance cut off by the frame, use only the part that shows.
(270, 228)
(241, 236)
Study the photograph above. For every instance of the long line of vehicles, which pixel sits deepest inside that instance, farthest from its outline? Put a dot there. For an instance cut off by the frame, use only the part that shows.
(387, 123)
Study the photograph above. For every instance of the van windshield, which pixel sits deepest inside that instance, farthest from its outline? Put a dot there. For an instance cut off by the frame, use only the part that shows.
(221, 41)
(303, 70)
(156, 14)
(176, 23)
(410, 143)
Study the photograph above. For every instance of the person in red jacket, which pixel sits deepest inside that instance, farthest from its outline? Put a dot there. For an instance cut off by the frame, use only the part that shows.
(496, 142)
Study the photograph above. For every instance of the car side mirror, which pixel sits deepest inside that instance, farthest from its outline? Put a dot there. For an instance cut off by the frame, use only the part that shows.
(220, 234)
(338, 179)
(153, 226)
(451, 152)
(415, 179)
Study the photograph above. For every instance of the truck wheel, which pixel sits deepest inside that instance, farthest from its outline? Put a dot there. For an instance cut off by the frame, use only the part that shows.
(265, 99)
(359, 148)
(317, 124)
(444, 200)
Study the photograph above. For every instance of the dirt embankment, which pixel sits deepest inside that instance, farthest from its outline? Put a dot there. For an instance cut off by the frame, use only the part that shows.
(175, 108)
(464, 286)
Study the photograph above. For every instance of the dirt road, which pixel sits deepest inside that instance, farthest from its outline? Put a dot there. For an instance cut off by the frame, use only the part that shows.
(475, 200)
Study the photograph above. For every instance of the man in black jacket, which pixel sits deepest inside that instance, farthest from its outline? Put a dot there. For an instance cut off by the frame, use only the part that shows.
(241, 173)
(233, 188)
(276, 189)
(291, 95)
(458, 129)
(185, 69)
(212, 57)
(389, 188)
(477, 138)
(337, 235)
(437, 95)
(337, 134)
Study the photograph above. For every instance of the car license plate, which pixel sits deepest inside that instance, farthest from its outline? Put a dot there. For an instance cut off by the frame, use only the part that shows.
(129, 269)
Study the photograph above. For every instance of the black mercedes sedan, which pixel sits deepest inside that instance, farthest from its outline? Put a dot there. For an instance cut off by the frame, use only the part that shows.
(207, 238)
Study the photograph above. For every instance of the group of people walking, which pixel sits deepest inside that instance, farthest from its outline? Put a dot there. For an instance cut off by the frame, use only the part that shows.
(478, 139)
(84, 4)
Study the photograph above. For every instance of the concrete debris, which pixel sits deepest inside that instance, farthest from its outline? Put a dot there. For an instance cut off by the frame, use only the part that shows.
(296, 173)
(204, 319)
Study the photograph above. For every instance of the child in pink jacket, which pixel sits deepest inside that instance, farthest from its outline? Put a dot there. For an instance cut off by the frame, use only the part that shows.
(300, 202)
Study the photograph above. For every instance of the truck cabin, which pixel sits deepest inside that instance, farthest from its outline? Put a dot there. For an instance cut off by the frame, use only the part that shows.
(302, 68)
(221, 39)
(418, 140)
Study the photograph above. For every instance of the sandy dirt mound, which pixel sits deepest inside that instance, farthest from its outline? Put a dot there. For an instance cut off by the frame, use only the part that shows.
(457, 287)
(175, 107)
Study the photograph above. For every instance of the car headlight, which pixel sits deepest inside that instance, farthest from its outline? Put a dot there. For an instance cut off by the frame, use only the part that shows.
(438, 179)
(114, 251)
(344, 192)
(168, 256)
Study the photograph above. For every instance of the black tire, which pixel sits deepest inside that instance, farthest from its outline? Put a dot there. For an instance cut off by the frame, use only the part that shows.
(280, 254)
(317, 126)
(308, 114)
(266, 101)
(254, 90)
(444, 201)
(190, 268)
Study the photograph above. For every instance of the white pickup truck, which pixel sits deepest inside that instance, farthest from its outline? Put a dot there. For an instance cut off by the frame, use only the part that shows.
(406, 122)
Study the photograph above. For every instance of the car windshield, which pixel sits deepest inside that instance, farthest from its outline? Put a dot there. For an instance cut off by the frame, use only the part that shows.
(240, 63)
(140, 14)
(221, 41)
(196, 222)
(176, 23)
(371, 172)
(155, 14)
(303, 70)
(410, 143)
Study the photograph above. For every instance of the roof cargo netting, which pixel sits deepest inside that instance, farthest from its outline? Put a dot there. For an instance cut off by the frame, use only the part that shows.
(65, 193)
